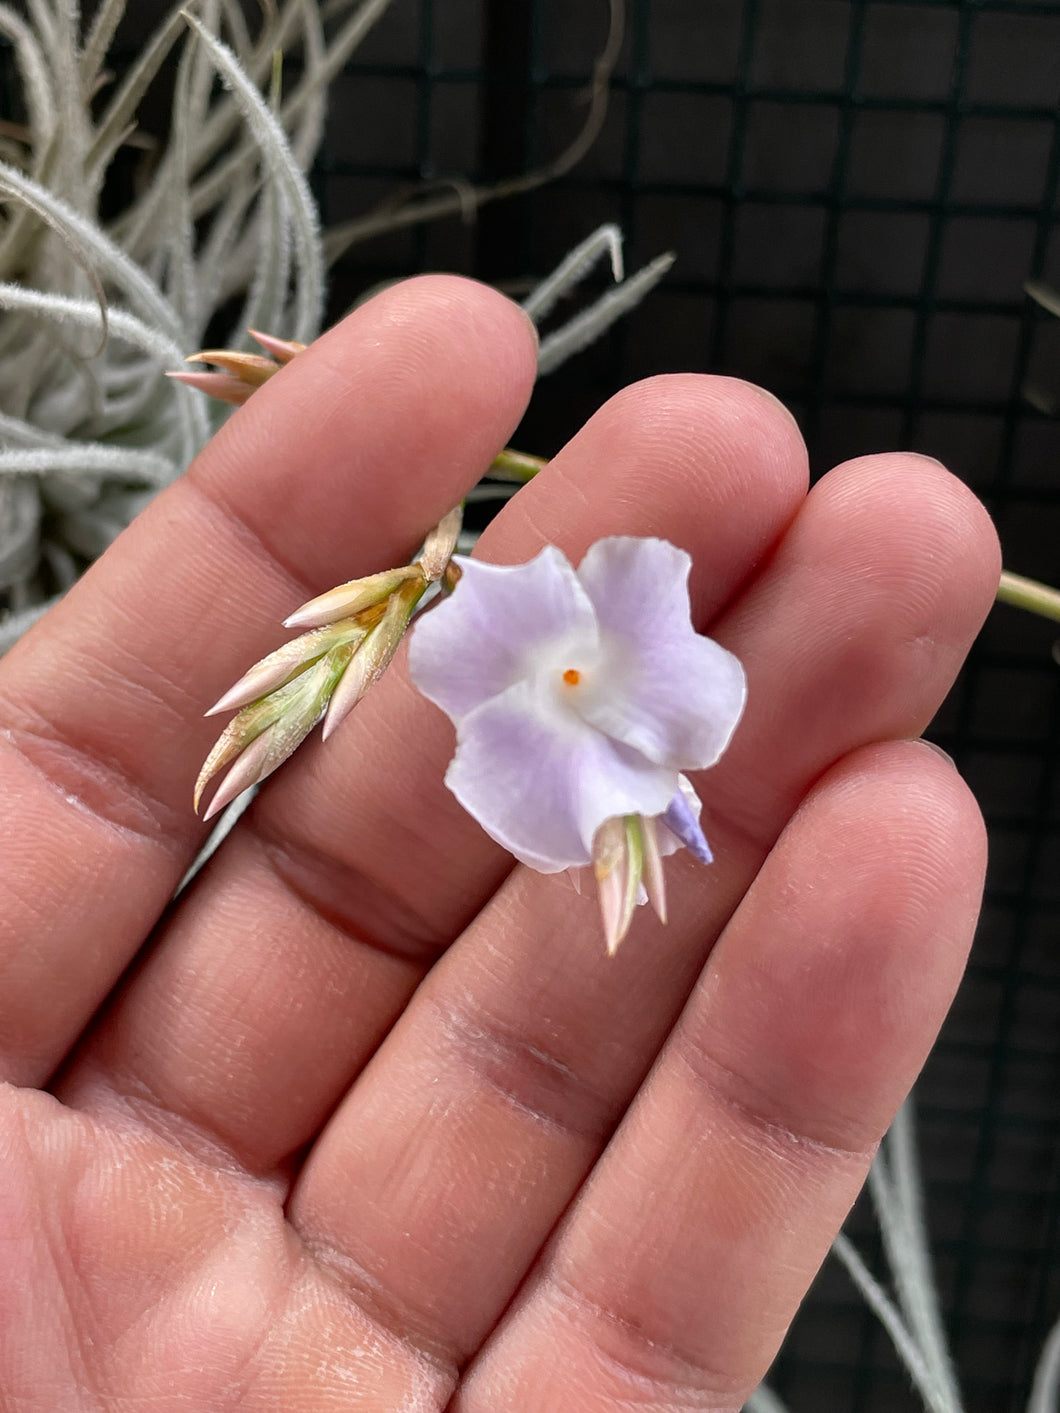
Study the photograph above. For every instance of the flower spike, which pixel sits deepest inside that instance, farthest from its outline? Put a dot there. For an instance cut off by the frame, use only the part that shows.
(353, 633)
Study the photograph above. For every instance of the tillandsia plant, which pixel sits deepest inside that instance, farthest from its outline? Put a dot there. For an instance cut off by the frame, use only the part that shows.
(594, 675)
(96, 308)
(609, 717)
(106, 282)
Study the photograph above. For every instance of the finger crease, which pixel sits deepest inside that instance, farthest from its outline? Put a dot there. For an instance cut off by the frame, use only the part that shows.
(652, 1365)
(527, 1076)
(348, 899)
(755, 1112)
(302, 588)
(96, 782)
(396, 1319)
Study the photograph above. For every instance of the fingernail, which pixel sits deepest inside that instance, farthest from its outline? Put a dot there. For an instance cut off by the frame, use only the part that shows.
(938, 751)
(533, 326)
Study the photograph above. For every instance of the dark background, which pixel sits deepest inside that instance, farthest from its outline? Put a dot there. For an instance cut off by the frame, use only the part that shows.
(856, 191)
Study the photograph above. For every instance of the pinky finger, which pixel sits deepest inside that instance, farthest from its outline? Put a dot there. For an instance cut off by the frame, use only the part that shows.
(679, 1268)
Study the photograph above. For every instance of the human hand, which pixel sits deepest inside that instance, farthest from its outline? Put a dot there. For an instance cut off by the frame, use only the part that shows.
(370, 1120)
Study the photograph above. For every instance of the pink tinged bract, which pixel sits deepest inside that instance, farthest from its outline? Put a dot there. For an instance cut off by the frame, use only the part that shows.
(223, 386)
(578, 696)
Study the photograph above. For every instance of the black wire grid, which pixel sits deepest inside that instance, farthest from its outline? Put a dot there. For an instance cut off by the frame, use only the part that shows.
(856, 191)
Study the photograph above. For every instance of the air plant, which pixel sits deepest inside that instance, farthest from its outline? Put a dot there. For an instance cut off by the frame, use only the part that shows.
(221, 230)
(95, 308)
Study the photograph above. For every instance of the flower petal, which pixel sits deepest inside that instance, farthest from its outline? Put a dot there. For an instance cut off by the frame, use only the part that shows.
(541, 782)
(476, 644)
(670, 693)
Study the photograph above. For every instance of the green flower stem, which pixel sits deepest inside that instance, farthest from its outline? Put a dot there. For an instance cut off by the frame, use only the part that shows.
(520, 466)
(511, 465)
(1029, 594)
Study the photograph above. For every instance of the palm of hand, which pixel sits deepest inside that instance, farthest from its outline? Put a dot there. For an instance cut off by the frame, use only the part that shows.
(312, 1150)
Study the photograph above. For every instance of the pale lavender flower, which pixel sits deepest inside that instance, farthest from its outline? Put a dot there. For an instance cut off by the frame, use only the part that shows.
(580, 698)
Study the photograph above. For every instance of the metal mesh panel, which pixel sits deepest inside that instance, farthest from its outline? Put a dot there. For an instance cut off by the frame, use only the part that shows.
(856, 191)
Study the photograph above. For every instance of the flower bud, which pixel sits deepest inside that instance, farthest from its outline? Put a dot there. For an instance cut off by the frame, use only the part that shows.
(267, 731)
(243, 372)
(374, 654)
(618, 863)
(283, 665)
(283, 350)
(225, 387)
(440, 543)
(251, 368)
(349, 599)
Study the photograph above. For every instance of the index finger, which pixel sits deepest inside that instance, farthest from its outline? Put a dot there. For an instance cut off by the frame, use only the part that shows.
(334, 469)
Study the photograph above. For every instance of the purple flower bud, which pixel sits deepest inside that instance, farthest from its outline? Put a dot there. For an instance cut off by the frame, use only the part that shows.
(680, 819)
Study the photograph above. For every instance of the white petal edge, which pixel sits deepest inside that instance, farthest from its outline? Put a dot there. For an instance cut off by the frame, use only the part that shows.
(671, 693)
(476, 644)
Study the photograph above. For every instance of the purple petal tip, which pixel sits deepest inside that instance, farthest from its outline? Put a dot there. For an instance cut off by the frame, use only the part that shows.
(681, 821)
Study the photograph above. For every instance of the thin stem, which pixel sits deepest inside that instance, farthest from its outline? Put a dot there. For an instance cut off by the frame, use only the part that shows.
(1016, 589)
(1047, 1375)
(889, 1317)
(764, 1400)
(340, 238)
(898, 1193)
(1029, 594)
(512, 465)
